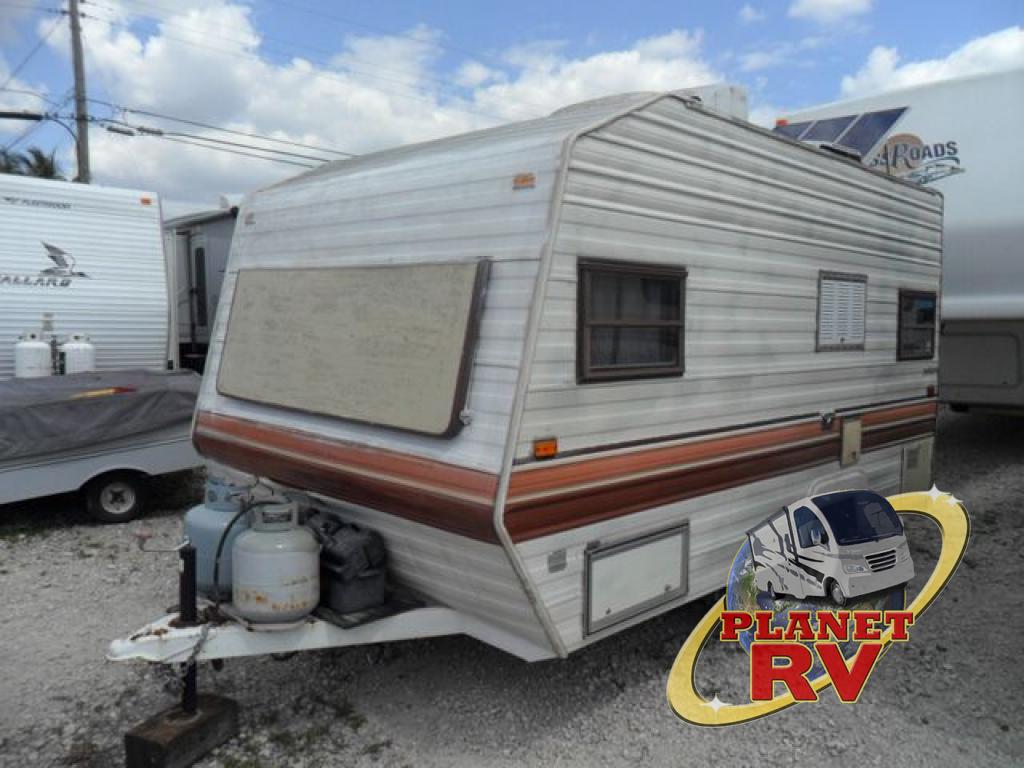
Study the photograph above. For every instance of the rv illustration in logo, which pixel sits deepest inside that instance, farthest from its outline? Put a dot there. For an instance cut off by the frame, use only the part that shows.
(64, 261)
(840, 545)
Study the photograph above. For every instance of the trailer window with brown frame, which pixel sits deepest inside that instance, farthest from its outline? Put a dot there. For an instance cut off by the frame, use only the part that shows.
(630, 321)
(916, 336)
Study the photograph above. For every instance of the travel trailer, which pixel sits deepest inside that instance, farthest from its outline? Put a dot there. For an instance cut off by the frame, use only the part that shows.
(101, 434)
(198, 247)
(840, 545)
(91, 260)
(562, 366)
(957, 136)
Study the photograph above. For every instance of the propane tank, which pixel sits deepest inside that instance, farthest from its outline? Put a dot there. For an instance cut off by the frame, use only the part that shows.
(78, 353)
(32, 357)
(205, 525)
(276, 566)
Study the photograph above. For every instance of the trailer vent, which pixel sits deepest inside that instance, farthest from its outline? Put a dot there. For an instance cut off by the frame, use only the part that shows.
(842, 311)
(882, 561)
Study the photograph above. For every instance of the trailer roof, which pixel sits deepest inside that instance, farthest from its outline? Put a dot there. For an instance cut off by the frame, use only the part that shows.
(556, 127)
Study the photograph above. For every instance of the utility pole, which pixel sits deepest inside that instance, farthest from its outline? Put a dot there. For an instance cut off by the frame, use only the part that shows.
(81, 104)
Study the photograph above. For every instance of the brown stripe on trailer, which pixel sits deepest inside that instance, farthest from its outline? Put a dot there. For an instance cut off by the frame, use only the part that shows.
(444, 496)
(544, 500)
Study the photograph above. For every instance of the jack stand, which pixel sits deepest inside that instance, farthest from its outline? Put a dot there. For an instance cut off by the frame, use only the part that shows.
(179, 736)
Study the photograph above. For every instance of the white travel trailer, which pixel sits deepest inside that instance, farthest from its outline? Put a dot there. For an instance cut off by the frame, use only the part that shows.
(93, 258)
(841, 545)
(958, 136)
(198, 246)
(563, 366)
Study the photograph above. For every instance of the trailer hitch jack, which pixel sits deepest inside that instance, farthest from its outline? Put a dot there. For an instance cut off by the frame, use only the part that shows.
(182, 734)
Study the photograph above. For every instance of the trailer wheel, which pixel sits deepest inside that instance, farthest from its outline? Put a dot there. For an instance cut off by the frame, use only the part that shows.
(836, 593)
(116, 497)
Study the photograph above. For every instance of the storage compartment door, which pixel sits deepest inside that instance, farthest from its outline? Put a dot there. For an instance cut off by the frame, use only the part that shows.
(917, 466)
(632, 577)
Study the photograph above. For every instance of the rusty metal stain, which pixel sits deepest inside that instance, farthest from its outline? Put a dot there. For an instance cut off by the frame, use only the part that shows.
(159, 632)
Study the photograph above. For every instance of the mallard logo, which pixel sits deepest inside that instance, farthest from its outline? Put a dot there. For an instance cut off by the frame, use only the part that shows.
(60, 275)
(907, 156)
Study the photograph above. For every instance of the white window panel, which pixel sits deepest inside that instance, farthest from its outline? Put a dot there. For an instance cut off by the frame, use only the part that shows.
(842, 311)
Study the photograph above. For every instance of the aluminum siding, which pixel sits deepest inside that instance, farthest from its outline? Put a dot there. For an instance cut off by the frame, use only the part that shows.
(717, 524)
(753, 219)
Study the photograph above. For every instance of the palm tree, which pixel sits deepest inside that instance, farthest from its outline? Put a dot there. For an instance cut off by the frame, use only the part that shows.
(41, 165)
(10, 162)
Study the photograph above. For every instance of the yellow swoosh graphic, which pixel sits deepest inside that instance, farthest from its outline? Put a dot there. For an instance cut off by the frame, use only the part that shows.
(954, 528)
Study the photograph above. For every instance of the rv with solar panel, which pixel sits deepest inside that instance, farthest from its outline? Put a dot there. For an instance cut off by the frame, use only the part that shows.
(545, 376)
(839, 545)
(958, 136)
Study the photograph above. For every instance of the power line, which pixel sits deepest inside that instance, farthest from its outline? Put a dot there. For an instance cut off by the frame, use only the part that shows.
(27, 92)
(209, 126)
(28, 57)
(229, 151)
(35, 127)
(143, 130)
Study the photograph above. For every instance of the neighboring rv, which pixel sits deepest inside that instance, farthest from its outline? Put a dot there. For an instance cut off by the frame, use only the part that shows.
(960, 137)
(840, 545)
(92, 258)
(563, 366)
(198, 246)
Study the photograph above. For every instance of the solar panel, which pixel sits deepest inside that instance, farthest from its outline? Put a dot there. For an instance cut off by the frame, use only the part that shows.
(828, 130)
(869, 129)
(792, 130)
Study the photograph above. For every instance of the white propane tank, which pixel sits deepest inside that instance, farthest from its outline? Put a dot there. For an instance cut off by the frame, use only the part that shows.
(79, 354)
(275, 566)
(32, 357)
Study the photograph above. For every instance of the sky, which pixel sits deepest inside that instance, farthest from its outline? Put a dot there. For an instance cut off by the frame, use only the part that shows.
(354, 77)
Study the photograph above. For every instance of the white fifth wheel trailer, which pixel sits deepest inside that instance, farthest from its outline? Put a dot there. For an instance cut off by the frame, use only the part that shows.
(957, 136)
(92, 258)
(562, 366)
(198, 245)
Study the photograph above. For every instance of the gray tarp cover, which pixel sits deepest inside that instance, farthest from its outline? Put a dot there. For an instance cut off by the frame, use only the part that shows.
(62, 413)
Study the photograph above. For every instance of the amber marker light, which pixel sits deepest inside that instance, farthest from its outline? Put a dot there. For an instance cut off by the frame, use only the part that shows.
(546, 448)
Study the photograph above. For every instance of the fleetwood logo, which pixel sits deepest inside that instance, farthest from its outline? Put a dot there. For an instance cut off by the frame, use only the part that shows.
(59, 275)
(804, 552)
(904, 154)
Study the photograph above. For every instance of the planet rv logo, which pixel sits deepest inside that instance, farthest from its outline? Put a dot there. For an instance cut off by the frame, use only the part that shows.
(60, 275)
(907, 156)
(802, 634)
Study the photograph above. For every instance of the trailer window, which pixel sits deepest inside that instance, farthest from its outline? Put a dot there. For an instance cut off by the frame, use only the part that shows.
(842, 311)
(916, 339)
(630, 323)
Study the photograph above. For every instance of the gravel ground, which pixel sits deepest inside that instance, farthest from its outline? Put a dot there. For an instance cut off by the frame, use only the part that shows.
(949, 697)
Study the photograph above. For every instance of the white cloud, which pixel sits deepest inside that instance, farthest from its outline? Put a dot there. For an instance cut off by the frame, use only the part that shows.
(749, 14)
(828, 11)
(473, 73)
(781, 53)
(884, 71)
(207, 63)
(764, 115)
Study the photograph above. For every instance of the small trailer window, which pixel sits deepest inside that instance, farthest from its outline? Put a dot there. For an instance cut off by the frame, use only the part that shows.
(917, 326)
(842, 311)
(630, 323)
